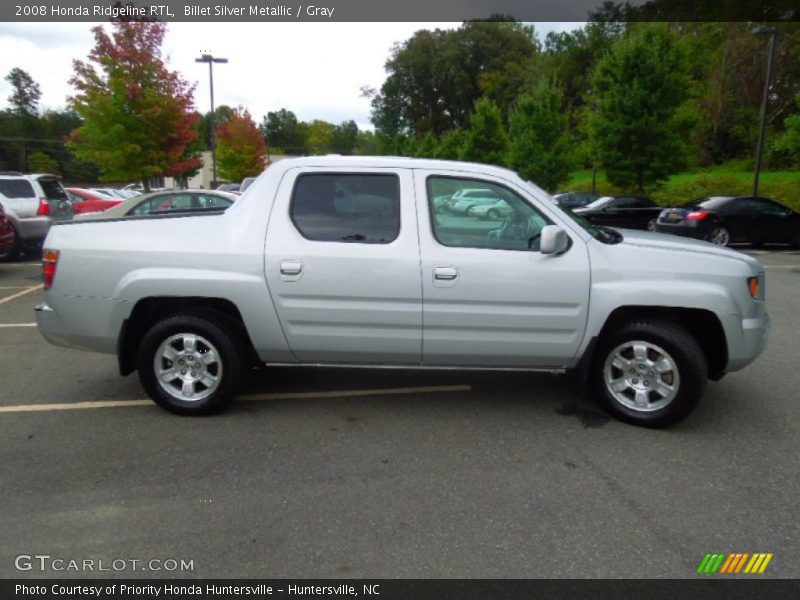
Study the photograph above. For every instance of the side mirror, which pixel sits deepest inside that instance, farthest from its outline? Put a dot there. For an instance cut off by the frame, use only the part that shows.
(554, 240)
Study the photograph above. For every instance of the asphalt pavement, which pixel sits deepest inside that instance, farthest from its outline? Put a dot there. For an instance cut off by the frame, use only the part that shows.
(383, 474)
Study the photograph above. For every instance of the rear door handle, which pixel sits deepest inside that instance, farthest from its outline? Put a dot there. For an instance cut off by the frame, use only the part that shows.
(445, 273)
(291, 267)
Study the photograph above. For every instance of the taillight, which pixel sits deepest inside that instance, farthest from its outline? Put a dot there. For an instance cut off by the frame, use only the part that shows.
(44, 208)
(49, 264)
(697, 215)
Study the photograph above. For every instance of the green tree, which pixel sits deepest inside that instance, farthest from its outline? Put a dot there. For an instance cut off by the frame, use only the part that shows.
(539, 148)
(319, 136)
(639, 87)
(345, 136)
(486, 140)
(436, 76)
(788, 143)
(40, 162)
(25, 92)
(282, 131)
(241, 151)
(204, 124)
(451, 146)
(138, 116)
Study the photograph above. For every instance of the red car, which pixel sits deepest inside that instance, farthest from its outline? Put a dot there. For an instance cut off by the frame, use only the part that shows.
(6, 234)
(87, 202)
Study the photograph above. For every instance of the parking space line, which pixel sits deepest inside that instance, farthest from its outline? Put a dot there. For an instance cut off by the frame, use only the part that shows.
(14, 287)
(22, 293)
(8, 325)
(23, 264)
(22, 408)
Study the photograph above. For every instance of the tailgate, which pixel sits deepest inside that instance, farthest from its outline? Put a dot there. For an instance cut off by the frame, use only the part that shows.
(60, 206)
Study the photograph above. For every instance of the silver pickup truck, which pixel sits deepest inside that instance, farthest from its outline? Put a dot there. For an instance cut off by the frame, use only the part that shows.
(334, 260)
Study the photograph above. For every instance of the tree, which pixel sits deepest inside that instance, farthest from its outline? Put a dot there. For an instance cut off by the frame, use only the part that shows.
(26, 92)
(282, 132)
(539, 149)
(451, 146)
(436, 76)
(788, 143)
(486, 140)
(319, 137)
(344, 138)
(241, 151)
(221, 115)
(639, 87)
(40, 162)
(138, 116)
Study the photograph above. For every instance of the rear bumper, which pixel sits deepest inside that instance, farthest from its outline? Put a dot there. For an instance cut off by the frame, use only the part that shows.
(697, 233)
(51, 326)
(747, 339)
(32, 231)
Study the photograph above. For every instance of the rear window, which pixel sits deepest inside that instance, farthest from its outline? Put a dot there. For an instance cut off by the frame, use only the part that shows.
(16, 188)
(52, 189)
(714, 202)
(347, 207)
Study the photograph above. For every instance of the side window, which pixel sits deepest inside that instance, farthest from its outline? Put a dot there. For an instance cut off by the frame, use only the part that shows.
(624, 202)
(345, 207)
(507, 223)
(209, 201)
(643, 203)
(766, 207)
(145, 207)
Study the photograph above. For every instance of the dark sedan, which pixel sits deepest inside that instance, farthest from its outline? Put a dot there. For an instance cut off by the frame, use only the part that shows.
(630, 212)
(728, 219)
(574, 199)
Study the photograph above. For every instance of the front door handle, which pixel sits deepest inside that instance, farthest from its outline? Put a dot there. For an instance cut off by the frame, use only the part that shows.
(291, 267)
(445, 273)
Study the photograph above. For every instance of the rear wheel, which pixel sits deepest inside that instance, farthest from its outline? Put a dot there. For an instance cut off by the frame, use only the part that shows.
(650, 373)
(719, 236)
(14, 250)
(189, 364)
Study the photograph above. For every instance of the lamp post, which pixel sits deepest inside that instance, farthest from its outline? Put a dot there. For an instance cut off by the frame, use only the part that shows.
(772, 32)
(210, 59)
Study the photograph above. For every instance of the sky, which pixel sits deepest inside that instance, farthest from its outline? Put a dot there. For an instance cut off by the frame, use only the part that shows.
(315, 70)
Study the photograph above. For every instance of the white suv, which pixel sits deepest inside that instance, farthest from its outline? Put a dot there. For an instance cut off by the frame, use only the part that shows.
(32, 203)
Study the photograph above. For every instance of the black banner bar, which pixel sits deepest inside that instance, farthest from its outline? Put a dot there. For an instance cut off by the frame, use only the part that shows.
(391, 10)
(400, 589)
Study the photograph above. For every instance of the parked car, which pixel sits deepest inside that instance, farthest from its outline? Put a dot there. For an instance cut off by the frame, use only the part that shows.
(159, 203)
(32, 204)
(6, 235)
(246, 183)
(344, 261)
(228, 187)
(112, 193)
(574, 199)
(463, 200)
(726, 219)
(630, 212)
(83, 201)
(500, 209)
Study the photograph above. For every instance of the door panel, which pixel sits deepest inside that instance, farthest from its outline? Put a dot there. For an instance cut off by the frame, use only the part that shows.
(347, 300)
(495, 306)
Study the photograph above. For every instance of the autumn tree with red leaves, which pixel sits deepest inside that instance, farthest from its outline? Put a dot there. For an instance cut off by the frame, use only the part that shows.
(138, 116)
(241, 151)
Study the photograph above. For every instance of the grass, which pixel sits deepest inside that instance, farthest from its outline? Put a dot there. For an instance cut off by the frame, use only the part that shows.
(734, 178)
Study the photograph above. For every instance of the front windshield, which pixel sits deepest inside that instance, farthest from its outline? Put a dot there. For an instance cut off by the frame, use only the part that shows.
(593, 231)
(599, 202)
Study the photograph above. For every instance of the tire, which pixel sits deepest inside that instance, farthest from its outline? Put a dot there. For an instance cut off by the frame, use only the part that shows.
(213, 370)
(719, 236)
(14, 250)
(673, 361)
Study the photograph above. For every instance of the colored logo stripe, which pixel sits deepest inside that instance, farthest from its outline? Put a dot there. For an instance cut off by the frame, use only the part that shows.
(733, 563)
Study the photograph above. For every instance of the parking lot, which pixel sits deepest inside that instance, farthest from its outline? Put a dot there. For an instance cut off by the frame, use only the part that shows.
(375, 473)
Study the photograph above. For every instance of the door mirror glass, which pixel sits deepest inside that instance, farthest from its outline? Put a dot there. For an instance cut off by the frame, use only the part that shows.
(554, 240)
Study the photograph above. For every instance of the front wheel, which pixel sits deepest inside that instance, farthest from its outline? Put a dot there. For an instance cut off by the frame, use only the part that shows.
(189, 364)
(650, 373)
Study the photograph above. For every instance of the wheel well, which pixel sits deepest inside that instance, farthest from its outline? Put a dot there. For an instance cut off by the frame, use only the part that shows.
(701, 324)
(148, 311)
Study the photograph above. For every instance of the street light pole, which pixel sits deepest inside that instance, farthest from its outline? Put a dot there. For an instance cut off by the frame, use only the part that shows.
(210, 59)
(773, 32)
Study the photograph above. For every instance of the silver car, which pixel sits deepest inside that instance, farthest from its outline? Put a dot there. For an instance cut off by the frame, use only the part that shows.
(32, 203)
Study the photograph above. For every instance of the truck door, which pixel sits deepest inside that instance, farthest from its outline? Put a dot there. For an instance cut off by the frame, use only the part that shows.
(342, 265)
(489, 296)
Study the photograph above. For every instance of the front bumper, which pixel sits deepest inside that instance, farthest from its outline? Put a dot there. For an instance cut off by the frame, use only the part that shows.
(747, 339)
